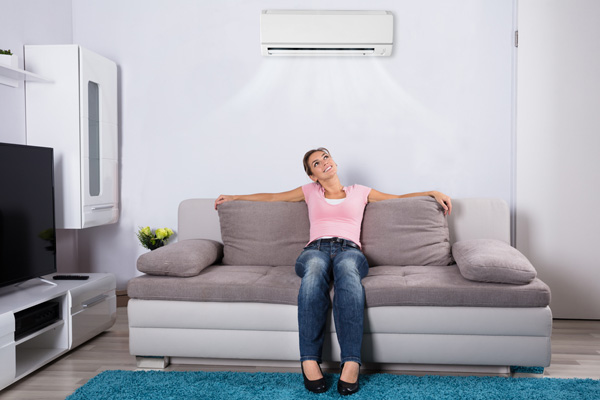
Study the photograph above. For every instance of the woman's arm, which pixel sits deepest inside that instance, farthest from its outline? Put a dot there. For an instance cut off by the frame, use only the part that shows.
(292, 195)
(441, 198)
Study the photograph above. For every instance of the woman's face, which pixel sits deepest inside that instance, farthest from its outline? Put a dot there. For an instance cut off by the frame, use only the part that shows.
(321, 166)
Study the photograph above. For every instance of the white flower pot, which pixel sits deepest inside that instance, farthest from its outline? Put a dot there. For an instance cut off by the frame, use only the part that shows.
(9, 60)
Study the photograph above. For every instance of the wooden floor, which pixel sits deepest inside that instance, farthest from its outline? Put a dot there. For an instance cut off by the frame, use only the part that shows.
(575, 353)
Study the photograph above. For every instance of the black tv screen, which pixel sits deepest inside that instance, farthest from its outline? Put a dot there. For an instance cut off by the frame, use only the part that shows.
(27, 230)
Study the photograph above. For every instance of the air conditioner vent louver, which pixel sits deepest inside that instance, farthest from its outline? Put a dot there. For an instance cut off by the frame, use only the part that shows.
(326, 33)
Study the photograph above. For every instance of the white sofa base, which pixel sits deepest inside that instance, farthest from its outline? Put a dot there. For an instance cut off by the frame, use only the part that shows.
(466, 336)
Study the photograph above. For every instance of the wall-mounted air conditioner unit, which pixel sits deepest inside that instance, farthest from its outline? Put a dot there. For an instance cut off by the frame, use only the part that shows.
(326, 33)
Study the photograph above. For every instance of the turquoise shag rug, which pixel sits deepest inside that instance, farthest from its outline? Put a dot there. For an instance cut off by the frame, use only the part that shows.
(149, 385)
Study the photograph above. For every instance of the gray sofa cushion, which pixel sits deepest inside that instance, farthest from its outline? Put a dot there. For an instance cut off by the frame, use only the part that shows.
(488, 260)
(185, 258)
(412, 231)
(384, 286)
(445, 286)
(263, 233)
(223, 283)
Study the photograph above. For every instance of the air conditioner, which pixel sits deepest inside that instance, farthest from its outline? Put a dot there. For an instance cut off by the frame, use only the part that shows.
(326, 33)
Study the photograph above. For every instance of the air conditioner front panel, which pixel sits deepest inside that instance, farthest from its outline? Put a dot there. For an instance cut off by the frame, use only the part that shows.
(293, 32)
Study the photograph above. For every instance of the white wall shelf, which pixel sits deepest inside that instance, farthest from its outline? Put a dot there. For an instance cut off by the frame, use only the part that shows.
(10, 76)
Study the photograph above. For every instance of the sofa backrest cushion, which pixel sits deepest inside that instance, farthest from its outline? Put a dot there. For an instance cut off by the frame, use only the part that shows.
(263, 233)
(411, 231)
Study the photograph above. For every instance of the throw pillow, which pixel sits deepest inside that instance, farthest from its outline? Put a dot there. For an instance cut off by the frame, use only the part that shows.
(490, 260)
(183, 259)
(263, 233)
(401, 232)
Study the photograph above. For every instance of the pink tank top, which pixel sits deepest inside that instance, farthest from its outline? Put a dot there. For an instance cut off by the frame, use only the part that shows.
(336, 220)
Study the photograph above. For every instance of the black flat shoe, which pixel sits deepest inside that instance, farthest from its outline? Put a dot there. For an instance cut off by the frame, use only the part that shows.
(345, 388)
(316, 386)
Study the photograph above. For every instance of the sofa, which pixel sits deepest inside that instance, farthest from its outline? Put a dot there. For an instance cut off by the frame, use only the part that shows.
(442, 293)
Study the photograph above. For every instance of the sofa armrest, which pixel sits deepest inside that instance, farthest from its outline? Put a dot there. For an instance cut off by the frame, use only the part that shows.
(490, 260)
(185, 258)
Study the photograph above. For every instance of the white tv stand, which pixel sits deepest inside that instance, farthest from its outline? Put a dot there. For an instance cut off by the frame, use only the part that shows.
(87, 308)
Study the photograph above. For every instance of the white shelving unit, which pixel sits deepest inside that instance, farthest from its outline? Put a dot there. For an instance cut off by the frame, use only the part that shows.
(86, 308)
(10, 76)
(78, 116)
(39, 348)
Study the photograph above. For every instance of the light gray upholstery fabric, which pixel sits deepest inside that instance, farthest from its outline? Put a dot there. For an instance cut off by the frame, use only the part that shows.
(384, 286)
(262, 241)
(445, 286)
(401, 232)
(263, 233)
(228, 283)
(489, 260)
(185, 258)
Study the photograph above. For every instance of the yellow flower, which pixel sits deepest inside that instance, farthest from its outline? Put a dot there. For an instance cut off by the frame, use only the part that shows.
(146, 231)
(161, 233)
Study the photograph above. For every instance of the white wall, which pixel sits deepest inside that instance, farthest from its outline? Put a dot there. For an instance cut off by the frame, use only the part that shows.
(203, 113)
(558, 168)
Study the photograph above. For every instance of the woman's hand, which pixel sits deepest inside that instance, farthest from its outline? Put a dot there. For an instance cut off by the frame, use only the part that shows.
(222, 199)
(444, 201)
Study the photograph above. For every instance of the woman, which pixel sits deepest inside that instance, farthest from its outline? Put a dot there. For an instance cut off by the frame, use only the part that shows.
(335, 214)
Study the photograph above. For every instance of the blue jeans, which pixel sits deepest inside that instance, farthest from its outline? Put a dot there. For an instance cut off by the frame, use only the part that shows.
(319, 263)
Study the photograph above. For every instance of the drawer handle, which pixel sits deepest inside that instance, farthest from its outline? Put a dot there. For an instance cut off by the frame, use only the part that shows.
(102, 207)
(93, 301)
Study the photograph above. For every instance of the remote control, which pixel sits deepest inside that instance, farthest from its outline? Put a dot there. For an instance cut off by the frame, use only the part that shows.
(70, 277)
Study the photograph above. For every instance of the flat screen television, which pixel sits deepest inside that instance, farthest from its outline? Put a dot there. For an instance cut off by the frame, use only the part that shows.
(27, 230)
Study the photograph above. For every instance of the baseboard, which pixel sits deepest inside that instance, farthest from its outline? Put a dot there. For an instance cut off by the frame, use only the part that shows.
(122, 298)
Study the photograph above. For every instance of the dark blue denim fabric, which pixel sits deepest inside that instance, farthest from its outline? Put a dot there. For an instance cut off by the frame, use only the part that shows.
(321, 262)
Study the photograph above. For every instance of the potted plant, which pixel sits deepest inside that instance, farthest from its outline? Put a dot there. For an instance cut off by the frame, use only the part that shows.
(8, 58)
(153, 239)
